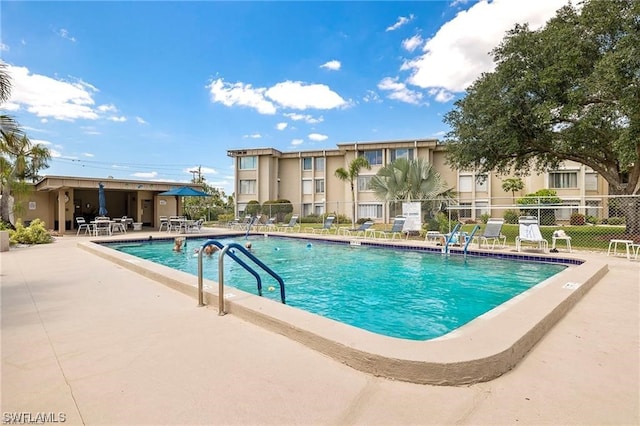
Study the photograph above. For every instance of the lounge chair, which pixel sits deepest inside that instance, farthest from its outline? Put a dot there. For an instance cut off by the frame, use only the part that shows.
(269, 225)
(530, 233)
(363, 230)
(396, 229)
(292, 225)
(255, 223)
(242, 226)
(326, 226)
(492, 233)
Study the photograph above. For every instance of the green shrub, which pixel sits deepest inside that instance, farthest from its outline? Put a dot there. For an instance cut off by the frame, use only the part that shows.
(253, 208)
(484, 218)
(363, 220)
(541, 197)
(432, 225)
(577, 219)
(35, 233)
(511, 216)
(227, 217)
(592, 220)
(616, 221)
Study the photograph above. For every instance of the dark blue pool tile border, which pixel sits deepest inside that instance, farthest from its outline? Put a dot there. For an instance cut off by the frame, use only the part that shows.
(524, 257)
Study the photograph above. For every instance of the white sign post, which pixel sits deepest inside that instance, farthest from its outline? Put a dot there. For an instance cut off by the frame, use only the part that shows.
(411, 211)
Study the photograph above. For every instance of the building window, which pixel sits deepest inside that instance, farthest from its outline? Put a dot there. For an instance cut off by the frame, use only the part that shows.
(482, 207)
(371, 211)
(248, 186)
(363, 183)
(465, 183)
(306, 163)
(319, 186)
(374, 157)
(318, 209)
(406, 153)
(563, 180)
(306, 209)
(307, 186)
(464, 211)
(241, 208)
(248, 163)
(482, 185)
(591, 181)
(569, 207)
(593, 208)
(319, 164)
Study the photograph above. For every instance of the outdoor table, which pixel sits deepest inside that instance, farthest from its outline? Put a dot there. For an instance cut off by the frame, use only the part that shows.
(628, 244)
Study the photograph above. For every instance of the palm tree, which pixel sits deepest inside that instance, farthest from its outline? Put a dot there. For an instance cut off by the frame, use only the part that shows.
(7, 123)
(20, 161)
(351, 175)
(404, 180)
(407, 180)
(512, 185)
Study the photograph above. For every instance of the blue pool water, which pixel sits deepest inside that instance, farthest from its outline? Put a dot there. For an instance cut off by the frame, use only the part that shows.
(399, 293)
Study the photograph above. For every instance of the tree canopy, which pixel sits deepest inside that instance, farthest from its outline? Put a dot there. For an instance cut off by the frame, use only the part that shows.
(569, 91)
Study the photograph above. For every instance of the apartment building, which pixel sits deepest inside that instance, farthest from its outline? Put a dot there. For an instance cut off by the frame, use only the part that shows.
(307, 179)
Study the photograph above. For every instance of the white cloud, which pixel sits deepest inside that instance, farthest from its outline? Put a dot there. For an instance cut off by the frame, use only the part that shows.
(287, 94)
(317, 137)
(411, 44)
(203, 170)
(4, 47)
(107, 108)
(304, 117)
(253, 136)
(402, 20)
(50, 98)
(296, 142)
(459, 52)
(65, 34)
(332, 65)
(297, 95)
(399, 91)
(371, 96)
(441, 95)
(145, 175)
(140, 120)
(281, 126)
(117, 119)
(88, 154)
(232, 94)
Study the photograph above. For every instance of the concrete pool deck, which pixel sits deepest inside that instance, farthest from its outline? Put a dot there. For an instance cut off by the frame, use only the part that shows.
(104, 345)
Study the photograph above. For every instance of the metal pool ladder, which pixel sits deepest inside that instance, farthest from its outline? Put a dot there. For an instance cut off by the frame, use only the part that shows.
(224, 250)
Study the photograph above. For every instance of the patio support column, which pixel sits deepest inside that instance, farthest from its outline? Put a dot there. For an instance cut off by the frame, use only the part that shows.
(62, 216)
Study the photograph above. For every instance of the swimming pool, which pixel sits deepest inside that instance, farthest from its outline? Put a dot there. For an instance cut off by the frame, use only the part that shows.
(399, 293)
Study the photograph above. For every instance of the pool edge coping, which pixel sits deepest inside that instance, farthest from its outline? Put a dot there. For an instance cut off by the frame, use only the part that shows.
(482, 350)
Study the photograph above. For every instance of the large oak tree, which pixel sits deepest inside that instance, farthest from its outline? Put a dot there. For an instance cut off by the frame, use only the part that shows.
(568, 91)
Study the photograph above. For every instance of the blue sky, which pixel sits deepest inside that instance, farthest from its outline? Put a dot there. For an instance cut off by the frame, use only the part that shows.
(153, 90)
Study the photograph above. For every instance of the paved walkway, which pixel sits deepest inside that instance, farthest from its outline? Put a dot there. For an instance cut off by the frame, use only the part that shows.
(104, 345)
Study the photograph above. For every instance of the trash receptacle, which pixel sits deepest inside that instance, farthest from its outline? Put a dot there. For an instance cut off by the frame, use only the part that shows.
(137, 226)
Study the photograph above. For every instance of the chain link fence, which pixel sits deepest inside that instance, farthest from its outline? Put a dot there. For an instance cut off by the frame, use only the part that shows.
(590, 222)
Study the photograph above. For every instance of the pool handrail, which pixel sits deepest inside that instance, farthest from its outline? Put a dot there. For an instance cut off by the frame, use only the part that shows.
(225, 250)
(449, 238)
(470, 238)
(234, 257)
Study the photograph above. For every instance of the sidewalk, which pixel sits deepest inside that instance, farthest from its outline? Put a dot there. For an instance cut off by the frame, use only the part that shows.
(103, 345)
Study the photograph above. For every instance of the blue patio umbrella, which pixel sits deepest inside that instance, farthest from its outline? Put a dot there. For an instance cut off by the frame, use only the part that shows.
(184, 191)
(102, 202)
